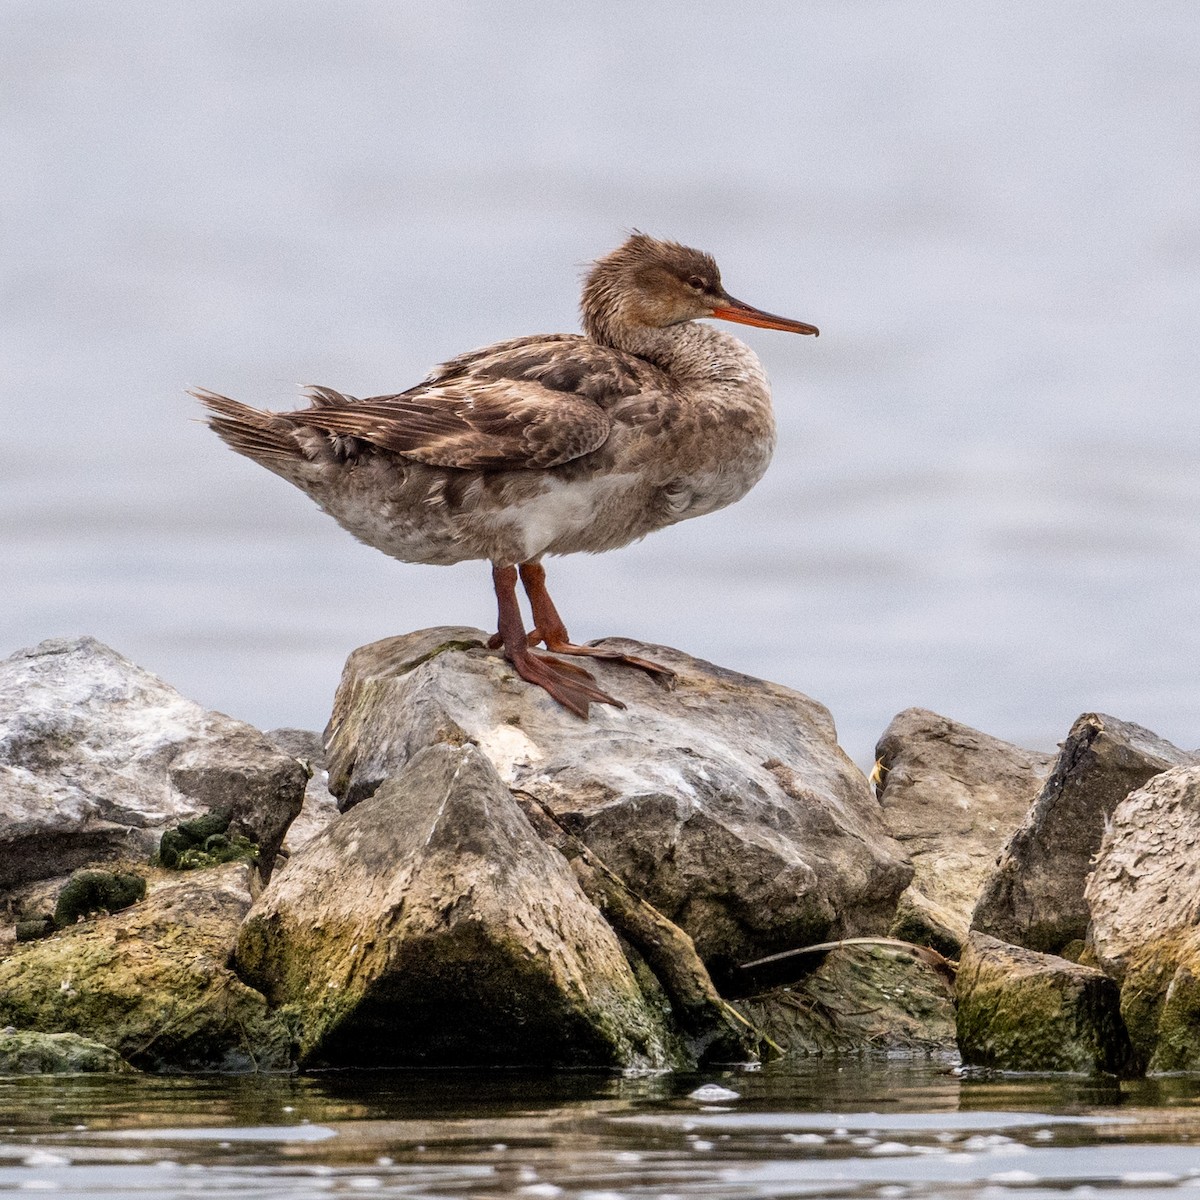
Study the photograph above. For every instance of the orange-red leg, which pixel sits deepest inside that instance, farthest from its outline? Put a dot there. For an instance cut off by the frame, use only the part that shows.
(569, 684)
(551, 630)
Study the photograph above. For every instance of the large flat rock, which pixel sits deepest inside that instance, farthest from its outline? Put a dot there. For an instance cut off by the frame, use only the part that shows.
(1035, 896)
(98, 757)
(431, 925)
(726, 802)
(1144, 896)
(952, 796)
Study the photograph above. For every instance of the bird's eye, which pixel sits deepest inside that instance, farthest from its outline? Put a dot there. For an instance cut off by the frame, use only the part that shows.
(697, 282)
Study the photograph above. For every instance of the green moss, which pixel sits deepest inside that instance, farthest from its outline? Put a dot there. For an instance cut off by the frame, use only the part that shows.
(1051, 1022)
(440, 649)
(96, 891)
(33, 928)
(204, 842)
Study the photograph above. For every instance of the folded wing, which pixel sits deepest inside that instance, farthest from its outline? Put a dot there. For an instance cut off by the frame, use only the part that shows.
(531, 403)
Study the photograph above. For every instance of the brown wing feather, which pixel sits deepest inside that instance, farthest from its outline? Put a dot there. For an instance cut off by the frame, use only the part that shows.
(531, 403)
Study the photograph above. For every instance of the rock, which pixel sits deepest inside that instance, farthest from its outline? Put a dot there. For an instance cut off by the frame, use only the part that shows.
(151, 982)
(431, 925)
(952, 797)
(726, 803)
(919, 920)
(1144, 896)
(1035, 896)
(1019, 1010)
(98, 757)
(859, 999)
(320, 807)
(24, 1053)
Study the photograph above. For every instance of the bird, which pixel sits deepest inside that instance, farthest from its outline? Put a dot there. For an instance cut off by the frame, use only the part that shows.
(544, 445)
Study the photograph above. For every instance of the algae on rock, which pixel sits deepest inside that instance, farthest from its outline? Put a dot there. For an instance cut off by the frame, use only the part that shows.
(859, 999)
(1144, 895)
(431, 925)
(27, 1053)
(1020, 1010)
(151, 981)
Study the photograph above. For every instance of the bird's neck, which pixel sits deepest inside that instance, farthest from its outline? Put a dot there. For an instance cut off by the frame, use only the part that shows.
(688, 351)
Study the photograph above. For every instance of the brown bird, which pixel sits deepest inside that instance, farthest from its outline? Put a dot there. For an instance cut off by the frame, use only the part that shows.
(551, 444)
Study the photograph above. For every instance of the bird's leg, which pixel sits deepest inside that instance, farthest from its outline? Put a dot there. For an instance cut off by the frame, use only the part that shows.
(570, 685)
(549, 625)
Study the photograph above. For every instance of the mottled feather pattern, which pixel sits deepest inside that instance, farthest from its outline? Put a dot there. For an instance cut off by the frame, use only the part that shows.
(532, 403)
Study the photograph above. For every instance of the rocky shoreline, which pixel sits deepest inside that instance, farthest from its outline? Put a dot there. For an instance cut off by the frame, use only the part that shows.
(459, 872)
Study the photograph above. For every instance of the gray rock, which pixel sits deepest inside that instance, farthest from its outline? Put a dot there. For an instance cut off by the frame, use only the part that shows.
(726, 803)
(1023, 1011)
(98, 757)
(320, 806)
(431, 925)
(1144, 896)
(26, 1053)
(952, 797)
(1035, 896)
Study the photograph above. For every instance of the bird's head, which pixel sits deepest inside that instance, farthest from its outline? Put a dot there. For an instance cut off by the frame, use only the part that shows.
(648, 283)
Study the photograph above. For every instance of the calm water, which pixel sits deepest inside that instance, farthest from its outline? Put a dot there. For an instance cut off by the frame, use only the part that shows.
(985, 500)
(861, 1130)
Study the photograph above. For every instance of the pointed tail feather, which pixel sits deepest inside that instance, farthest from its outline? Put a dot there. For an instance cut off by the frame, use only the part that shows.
(262, 436)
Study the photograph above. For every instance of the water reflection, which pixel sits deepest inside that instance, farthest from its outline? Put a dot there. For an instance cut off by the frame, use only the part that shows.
(877, 1128)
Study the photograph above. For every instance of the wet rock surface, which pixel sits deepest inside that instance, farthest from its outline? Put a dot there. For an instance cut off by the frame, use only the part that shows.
(1035, 896)
(725, 802)
(152, 981)
(1019, 1010)
(431, 925)
(98, 757)
(952, 796)
(1144, 896)
(859, 998)
(25, 1053)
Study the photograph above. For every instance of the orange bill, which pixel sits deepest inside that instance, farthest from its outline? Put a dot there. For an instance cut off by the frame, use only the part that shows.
(745, 314)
